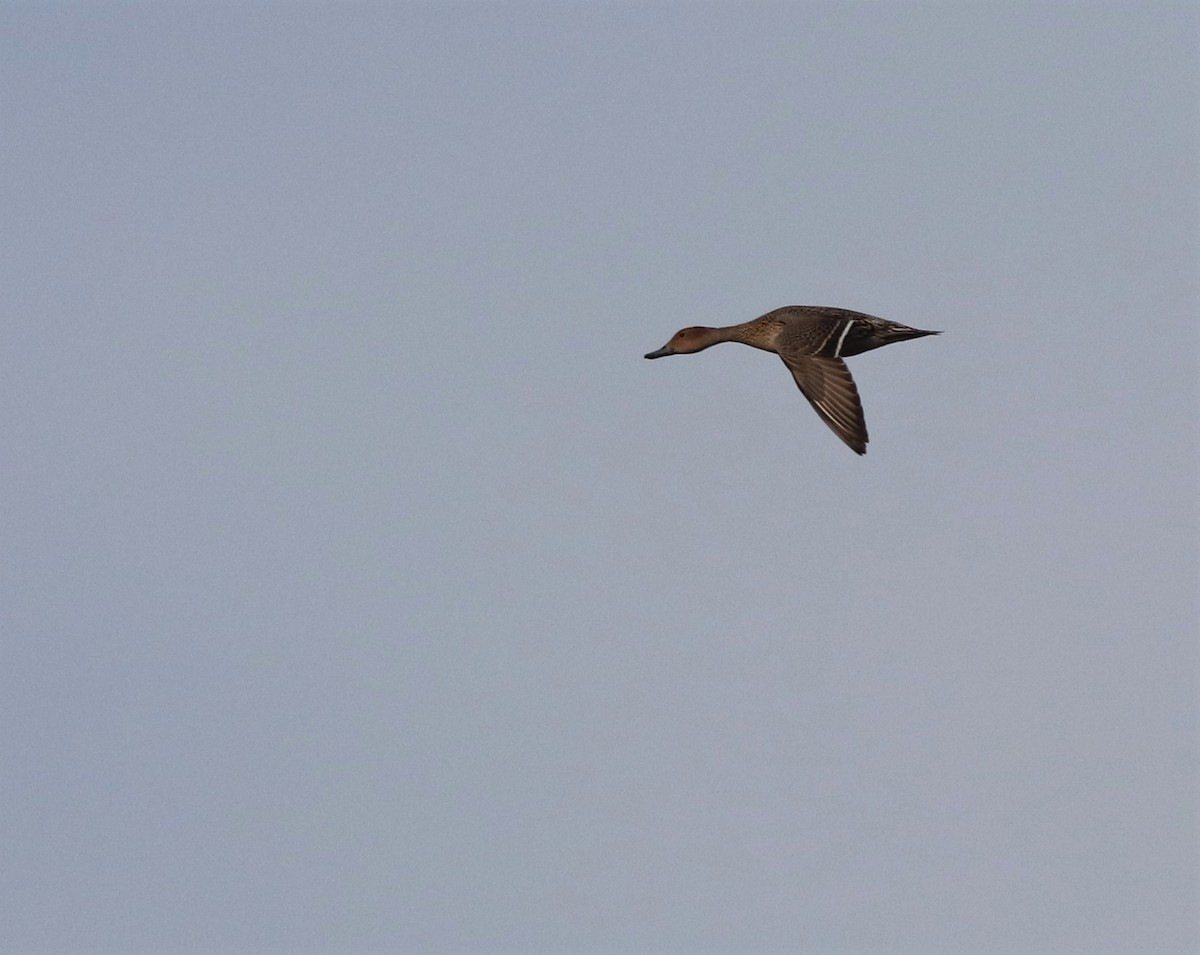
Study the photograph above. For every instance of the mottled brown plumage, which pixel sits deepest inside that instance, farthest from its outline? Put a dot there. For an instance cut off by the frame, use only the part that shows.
(812, 340)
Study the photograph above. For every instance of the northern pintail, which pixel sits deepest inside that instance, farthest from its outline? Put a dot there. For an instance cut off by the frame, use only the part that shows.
(812, 340)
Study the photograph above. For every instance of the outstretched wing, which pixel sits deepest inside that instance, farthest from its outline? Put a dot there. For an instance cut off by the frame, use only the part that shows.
(827, 385)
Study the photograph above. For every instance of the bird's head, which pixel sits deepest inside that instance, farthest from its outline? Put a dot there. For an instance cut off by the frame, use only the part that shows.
(685, 341)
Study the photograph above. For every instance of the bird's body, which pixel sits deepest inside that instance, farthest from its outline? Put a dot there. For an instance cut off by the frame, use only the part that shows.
(812, 340)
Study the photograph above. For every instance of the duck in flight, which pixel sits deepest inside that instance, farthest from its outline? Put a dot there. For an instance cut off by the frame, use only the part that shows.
(812, 340)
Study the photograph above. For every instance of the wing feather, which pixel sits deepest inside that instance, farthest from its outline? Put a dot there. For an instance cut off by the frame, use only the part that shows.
(829, 388)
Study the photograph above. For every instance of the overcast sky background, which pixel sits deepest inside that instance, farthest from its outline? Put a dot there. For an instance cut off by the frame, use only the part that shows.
(365, 590)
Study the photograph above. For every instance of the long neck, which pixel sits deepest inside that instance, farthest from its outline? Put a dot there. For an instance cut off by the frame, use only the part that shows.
(757, 334)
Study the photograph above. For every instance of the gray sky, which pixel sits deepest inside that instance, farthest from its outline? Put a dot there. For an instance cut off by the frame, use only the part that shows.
(365, 590)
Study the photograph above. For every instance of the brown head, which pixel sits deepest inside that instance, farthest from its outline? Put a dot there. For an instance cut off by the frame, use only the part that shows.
(687, 340)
